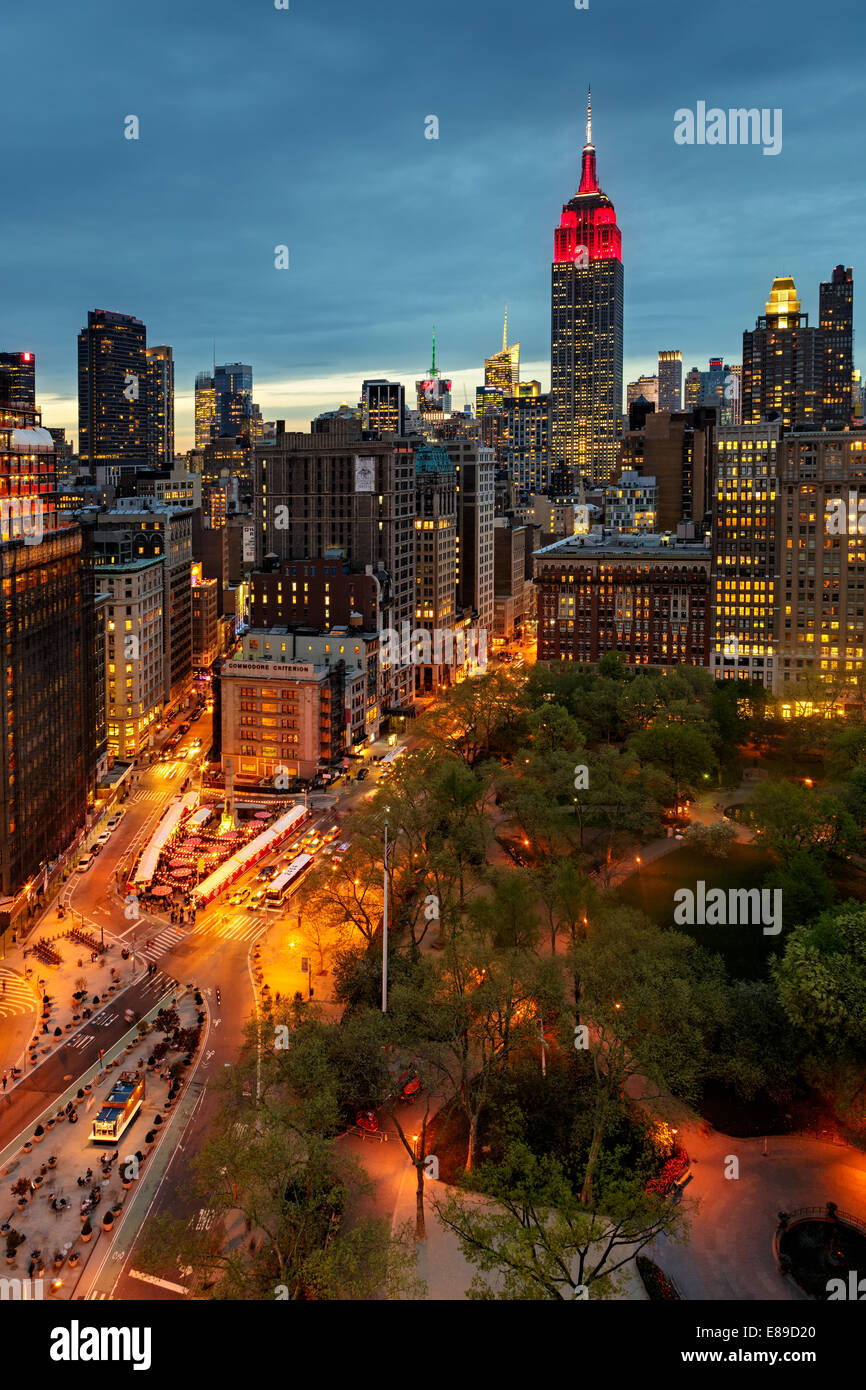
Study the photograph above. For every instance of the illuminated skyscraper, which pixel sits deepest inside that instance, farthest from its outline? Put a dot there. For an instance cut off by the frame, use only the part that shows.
(693, 389)
(383, 406)
(160, 406)
(783, 363)
(836, 320)
(670, 397)
(112, 392)
(586, 330)
(646, 386)
(205, 410)
(224, 406)
(503, 368)
(433, 392)
(18, 378)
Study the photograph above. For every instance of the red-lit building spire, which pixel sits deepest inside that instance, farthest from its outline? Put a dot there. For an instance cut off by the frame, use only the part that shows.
(588, 178)
(587, 230)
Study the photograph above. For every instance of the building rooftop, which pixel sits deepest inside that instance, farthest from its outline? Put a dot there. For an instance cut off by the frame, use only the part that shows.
(663, 545)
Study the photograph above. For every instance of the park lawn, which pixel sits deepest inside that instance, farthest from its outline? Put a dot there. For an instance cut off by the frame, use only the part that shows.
(744, 948)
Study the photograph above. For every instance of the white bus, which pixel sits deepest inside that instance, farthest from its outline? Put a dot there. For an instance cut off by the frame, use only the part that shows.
(279, 887)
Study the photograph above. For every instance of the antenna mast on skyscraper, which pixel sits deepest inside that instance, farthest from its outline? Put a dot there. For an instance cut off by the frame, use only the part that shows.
(589, 115)
(433, 368)
(505, 329)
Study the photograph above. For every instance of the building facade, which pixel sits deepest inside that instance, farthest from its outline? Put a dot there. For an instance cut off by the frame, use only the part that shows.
(648, 600)
(746, 546)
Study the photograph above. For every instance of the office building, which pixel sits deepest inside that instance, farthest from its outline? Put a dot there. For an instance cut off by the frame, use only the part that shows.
(645, 597)
(475, 471)
(383, 406)
(670, 380)
(631, 504)
(783, 362)
(676, 450)
(18, 378)
(279, 715)
(693, 389)
(821, 596)
(224, 405)
(338, 489)
(502, 370)
(646, 387)
(513, 590)
(205, 621)
(586, 331)
(836, 321)
(435, 559)
(113, 429)
(160, 406)
(53, 742)
(746, 545)
(527, 439)
(141, 529)
(319, 593)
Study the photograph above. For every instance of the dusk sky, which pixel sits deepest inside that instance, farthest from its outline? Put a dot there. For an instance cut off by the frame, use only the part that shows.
(305, 127)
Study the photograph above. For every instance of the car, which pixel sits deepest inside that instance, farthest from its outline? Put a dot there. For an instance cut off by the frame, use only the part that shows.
(314, 845)
(84, 864)
(104, 838)
(114, 821)
(341, 849)
(239, 896)
(256, 896)
(363, 774)
(331, 834)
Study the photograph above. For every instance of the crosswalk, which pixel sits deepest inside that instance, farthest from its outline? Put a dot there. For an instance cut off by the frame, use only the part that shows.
(243, 927)
(15, 996)
(157, 945)
(147, 797)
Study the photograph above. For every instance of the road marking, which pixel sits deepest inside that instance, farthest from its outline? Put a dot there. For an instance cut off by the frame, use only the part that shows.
(161, 1283)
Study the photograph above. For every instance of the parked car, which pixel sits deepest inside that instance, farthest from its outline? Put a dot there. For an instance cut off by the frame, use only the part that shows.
(363, 774)
(115, 819)
(84, 864)
(104, 838)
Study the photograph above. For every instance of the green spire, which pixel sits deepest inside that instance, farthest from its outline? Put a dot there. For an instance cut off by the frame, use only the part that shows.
(433, 368)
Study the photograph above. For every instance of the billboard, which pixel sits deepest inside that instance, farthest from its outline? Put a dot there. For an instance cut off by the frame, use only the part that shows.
(365, 475)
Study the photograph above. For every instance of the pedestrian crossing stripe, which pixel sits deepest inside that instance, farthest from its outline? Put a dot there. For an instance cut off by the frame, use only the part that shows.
(15, 995)
(160, 944)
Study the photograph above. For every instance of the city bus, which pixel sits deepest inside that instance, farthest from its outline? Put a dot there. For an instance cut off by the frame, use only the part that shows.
(281, 886)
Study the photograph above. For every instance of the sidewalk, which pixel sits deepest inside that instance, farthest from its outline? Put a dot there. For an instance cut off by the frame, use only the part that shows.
(29, 1032)
(45, 1168)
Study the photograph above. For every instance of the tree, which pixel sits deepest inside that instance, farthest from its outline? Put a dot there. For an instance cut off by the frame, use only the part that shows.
(716, 839)
(650, 998)
(680, 749)
(792, 818)
(821, 980)
(539, 1240)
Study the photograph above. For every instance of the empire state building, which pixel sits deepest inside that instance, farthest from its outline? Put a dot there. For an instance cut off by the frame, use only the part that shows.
(586, 330)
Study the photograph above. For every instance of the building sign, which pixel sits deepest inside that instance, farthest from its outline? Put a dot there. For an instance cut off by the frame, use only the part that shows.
(365, 475)
(274, 670)
(249, 544)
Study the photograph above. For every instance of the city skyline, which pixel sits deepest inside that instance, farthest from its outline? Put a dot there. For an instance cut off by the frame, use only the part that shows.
(195, 270)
